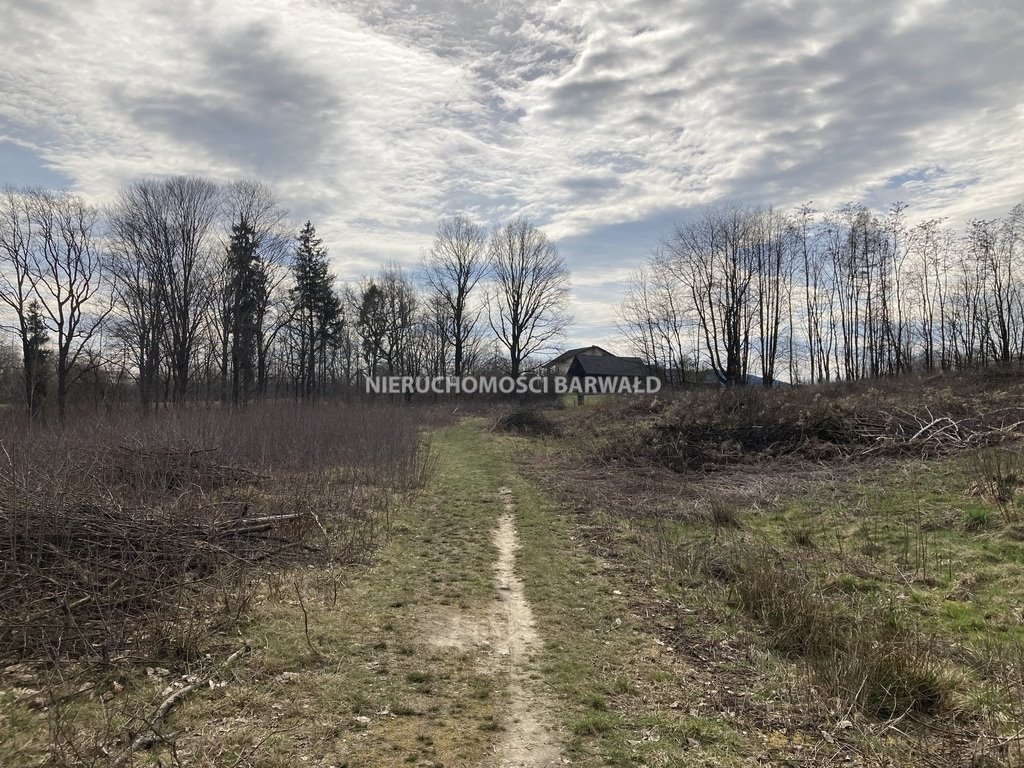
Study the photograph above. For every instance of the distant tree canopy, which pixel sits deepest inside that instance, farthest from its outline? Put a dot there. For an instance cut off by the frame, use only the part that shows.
(847, 294)
(183, 289)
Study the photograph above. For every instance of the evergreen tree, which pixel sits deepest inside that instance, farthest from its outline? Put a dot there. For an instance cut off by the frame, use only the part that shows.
(36, 360)
(247, 287)
(316, 308)
(373, 327)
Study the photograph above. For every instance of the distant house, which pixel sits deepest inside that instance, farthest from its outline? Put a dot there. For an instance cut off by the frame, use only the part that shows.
(560, 365)
(595, 374)
(607, 366)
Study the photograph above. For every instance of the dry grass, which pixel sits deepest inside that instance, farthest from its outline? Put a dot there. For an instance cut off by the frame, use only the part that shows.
(131, 543)
(113, 535)
(999, 475)
(532, 422)
(883, 668)
(820, 533)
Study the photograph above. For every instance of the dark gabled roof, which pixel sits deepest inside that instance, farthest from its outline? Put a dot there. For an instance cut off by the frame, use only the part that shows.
(600, 365)
(570, 354)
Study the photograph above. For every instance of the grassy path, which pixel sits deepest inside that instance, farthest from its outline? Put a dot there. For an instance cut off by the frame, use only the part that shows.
(411, 665)
(400, 665)
(625, 698)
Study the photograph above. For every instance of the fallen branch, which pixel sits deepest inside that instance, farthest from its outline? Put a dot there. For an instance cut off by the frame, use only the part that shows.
(244, 525)
(153, 732)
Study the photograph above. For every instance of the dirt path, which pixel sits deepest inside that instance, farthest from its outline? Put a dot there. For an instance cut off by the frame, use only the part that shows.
(505, 636)
(527, 741)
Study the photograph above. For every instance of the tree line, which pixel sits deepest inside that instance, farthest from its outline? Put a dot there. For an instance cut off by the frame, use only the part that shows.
(185, 289)
(823, 296)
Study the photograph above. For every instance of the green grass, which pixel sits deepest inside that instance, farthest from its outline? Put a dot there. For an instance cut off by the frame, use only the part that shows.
(878, 546)
(615, 683)
(911, 534)
(905, 553)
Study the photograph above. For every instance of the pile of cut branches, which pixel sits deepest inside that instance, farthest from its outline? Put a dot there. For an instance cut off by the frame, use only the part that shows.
(701, 429)
(106, 550)
(928, 433)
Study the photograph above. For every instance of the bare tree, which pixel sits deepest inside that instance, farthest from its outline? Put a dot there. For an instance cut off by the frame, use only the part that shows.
(638, 320)
(992, 249)
(69, 279)
(656, 318)
(928, 278)
(527, 302)
(168, 226)
(436, 335)
(712, 257)
(771, 239)
(138, 309)
(401, 305)
(452, 268)
(818, 295)
(387, 323)
(16, 249)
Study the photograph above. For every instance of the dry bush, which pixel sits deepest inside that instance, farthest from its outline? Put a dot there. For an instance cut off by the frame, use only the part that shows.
(528, 421)
(999, 474)
(1002, 741)
(128, 537)
(861, 652)
(864, 655)
(725, 511)
(707, 428)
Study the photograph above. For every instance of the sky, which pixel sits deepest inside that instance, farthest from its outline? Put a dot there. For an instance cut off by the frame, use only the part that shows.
(603, 122)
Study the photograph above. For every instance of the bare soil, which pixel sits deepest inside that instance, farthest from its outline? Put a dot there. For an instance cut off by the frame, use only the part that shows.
(505, 638)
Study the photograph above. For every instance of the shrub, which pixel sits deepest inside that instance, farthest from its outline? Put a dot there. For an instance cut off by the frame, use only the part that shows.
(136, 536)
(528, 421)
(999, 473)
(863, 653)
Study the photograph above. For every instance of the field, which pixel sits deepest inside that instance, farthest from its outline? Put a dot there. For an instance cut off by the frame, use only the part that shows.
(826, 576)
(838, 572)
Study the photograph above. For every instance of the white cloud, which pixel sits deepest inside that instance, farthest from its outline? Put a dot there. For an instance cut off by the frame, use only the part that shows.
(375, 117)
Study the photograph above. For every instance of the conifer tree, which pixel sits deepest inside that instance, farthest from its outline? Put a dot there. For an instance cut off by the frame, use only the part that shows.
(247, 286)
(316, 310)
(36, 361)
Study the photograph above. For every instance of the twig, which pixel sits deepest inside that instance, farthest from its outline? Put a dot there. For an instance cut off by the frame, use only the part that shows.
(305, 617)
(153, 731)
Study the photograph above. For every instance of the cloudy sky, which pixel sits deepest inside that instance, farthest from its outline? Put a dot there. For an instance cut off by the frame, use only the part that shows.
(602, 121)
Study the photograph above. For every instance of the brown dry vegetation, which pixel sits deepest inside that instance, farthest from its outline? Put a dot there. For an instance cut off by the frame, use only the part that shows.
(128, 543)
(901, 417)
